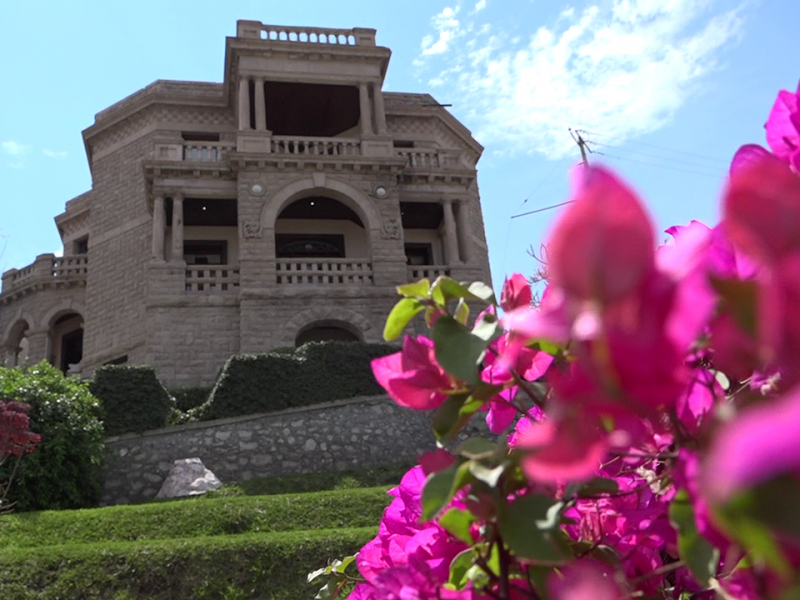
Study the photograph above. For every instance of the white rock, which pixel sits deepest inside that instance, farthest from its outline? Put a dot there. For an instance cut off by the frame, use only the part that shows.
(188, 477)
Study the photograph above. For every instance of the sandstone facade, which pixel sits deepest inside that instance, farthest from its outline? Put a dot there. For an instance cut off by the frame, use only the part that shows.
(280, 206)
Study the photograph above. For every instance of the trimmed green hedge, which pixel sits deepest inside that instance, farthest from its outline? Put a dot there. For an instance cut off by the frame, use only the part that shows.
(317, 372)
(190, 397)
(196, 517)
(132, 398)
(232, 567)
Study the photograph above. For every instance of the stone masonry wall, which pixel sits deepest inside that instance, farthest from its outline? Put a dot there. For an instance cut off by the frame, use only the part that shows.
(361, 432)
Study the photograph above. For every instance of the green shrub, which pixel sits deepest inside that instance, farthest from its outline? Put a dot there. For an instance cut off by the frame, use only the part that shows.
(190, 397)
(64, 471)
(133, 400)
(317, 372)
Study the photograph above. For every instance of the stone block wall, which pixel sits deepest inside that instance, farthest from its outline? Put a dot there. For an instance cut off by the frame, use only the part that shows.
(361, 432)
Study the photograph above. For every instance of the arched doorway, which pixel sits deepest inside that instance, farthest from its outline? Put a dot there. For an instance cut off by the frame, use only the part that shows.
(320, 227)
(324, 331)
(17, 345)
(66, 341)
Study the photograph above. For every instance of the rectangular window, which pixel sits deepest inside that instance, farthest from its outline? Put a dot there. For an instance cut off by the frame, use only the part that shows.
(419, 254)
(81, 245)
(205, 252)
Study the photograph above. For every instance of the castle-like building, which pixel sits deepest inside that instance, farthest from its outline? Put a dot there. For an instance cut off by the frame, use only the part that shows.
(280, 206)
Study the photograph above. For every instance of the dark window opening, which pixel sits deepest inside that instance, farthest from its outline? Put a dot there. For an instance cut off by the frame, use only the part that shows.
(324, 333)
(313, 245)
(199, 136)
(205, 252)
(320, 208)
(71, 349)
(421, 215)
(214, 212)
(308, 109)
(403, 144)
(81, 245)
(419, 254)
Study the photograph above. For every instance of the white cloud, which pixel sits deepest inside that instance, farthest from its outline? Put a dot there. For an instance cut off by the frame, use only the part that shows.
(13, 148)
(480, 5)
(447, 27)
(623, 68)
(16, 165)
(61, 154)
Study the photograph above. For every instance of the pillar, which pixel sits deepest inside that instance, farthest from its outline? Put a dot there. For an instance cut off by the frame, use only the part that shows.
(244, 103)
(261, 105)
(450, 239)
(366, 116)
(159, 224)
(380, 113)
(464, 230)
(37, 345)
(177, 227)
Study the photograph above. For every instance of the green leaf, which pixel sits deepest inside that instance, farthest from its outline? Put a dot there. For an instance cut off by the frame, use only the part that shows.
(339, 566)
(458, 523)
(482, 291)
(448, 420)
(419, 289)
(739, 298)
(594, 487)
(462, 312)
(460, 566)
(519, 524)
(696, 552)
(476, 447)
(319, 572)
(488, 475)
(457, 350)
(401, 315)
(487, 329)
(776, 504)
(440, 487)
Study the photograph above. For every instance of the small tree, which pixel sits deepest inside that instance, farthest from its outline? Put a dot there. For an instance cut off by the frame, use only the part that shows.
(16, 440)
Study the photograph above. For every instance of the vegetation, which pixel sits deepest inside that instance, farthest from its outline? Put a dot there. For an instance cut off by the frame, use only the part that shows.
(65, 469)
(188, 398)
(132, 398)
(317, 372)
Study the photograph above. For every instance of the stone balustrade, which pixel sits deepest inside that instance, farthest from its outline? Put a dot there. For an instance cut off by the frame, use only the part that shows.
(303, 271)
(417, 272)
(431, 158)
(305, 35)
(47, 270)
(207, 151)
(315, 146)
(212, 279)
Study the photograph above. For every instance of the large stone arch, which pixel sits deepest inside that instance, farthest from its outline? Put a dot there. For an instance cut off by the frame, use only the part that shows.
(15, 323)
(63, 306)
(320, 184)
(324, 314)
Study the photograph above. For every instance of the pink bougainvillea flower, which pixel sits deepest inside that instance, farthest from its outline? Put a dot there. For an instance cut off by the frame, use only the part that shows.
(761, 210)
(758, 445)
(413, 378)
(501, 411)
(783, 127)
(570, 449)
(584, 580)
(516, 293)
(747, 155)
(435, 461)
(602, 246)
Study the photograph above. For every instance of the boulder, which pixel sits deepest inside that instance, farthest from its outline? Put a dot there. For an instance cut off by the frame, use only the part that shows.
(188, 477)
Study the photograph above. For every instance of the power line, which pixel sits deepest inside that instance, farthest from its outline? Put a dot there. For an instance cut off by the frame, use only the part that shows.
(650, 164)
(667, 158)
(538, 210)
(663, 148)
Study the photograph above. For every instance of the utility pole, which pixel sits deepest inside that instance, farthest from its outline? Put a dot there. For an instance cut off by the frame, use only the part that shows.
(576, 136)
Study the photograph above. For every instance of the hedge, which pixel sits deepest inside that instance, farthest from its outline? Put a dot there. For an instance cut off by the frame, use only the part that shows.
(233, 567)
(188, 398)
(317, 372)
(132, 398)
(194, 517)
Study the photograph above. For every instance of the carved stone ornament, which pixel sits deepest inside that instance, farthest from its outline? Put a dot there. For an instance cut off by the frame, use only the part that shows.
(391, 229)
(252, 229)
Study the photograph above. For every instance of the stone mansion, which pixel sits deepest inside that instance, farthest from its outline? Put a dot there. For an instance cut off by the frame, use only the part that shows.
(280, 206)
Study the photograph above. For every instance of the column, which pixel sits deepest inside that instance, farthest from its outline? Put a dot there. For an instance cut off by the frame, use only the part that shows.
(380, 113)
(464, 229)
(261, 105)
(37, 345)
(366, 117)
(159, 224)
(450, 240)
(177, 227)
(244, 102)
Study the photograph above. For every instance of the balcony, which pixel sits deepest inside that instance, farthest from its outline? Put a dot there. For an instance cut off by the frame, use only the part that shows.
(328, 271)
(424, 158)
(314, 146)
(417, 272)
(207, 152)
(47, 271)
(212, 279)
(305, 35)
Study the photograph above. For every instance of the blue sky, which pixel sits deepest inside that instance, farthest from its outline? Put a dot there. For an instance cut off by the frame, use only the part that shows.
(668, 88)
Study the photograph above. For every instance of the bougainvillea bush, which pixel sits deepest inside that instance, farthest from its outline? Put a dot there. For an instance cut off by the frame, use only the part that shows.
(648, 409)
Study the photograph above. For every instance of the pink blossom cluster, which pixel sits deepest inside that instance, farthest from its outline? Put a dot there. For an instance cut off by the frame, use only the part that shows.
(671, 374)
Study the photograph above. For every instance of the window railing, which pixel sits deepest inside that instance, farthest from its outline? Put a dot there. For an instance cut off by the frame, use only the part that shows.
(206, 151)
(299, 271)
(212, 279)
(314, 146)
(417, 272)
